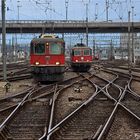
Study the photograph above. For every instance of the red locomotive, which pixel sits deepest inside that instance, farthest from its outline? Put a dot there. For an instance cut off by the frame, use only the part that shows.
(81, 57)
(47, 58)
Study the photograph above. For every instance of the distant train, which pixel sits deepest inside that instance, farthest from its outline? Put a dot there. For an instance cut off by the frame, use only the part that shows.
(81, 57)
(47, 58)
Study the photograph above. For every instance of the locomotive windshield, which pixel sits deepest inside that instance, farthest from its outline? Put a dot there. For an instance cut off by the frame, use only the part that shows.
(77, 52)
(39, 49)
(55, 48)
(87, 52)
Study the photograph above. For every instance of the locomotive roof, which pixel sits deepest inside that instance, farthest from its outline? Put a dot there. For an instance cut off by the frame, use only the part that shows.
(81, 48)
(43, 40)
(80, 45)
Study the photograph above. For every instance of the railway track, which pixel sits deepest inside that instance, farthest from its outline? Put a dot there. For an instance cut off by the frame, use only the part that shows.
(84, 107)
(70, 98)
(27, 120)
(17, 72)
(130, 105)
(7, 101)
(125, 126)
(86, 122)
(66, 120)
(25, 108)
(103, 130)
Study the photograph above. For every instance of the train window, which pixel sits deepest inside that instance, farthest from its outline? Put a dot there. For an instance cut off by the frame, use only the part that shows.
(39, 49)
(77, 52)
(55, 48)
(86, 52)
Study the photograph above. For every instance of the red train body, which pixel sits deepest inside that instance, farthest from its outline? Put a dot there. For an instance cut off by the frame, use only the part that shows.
(81, 58)
(47, 58)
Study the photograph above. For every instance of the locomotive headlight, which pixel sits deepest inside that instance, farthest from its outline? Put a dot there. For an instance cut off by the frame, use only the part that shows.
(57, 63)
(87, 60)
(76, 60)
(37, 63)
(82, 58)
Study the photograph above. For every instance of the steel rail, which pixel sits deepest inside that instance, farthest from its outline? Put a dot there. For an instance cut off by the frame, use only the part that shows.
(54, 98)
(105, 87)
(128, 110)
(106, 69)
(21, 77)
(56, 91)
(56, 127)
(109, 121)
(16, 95)
(52, 111)
(112, 82)
(15, 110)
(129, 90)
(30, 98)
(134, 93)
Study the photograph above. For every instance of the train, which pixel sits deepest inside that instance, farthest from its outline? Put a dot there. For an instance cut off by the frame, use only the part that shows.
(81, 57)
(47, 58)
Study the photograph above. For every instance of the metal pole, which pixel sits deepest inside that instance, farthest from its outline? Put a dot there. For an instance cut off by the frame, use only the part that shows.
(16, 48)
(94, 48)
(10, 50)
(111, 49)
(4, 53)
(63, 35)
(129, 48)
(86, 24)
(18, 6)
(133, 56)
(18, 12)
(66, 4)
(107, 6)
(13, 50)
(96, 11)
(81, 40)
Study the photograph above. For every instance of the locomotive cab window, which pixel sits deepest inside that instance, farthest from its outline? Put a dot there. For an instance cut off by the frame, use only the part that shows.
(77, 52)
(39, 49)
(55, 48)
(86, 52)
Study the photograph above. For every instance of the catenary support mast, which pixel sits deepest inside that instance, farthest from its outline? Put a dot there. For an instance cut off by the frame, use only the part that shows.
(4, 53)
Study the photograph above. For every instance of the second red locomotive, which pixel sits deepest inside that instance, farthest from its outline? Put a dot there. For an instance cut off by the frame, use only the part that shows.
(81, 57)
(47, 58)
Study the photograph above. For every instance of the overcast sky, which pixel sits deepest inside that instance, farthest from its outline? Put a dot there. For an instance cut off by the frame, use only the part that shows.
(56, 9)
